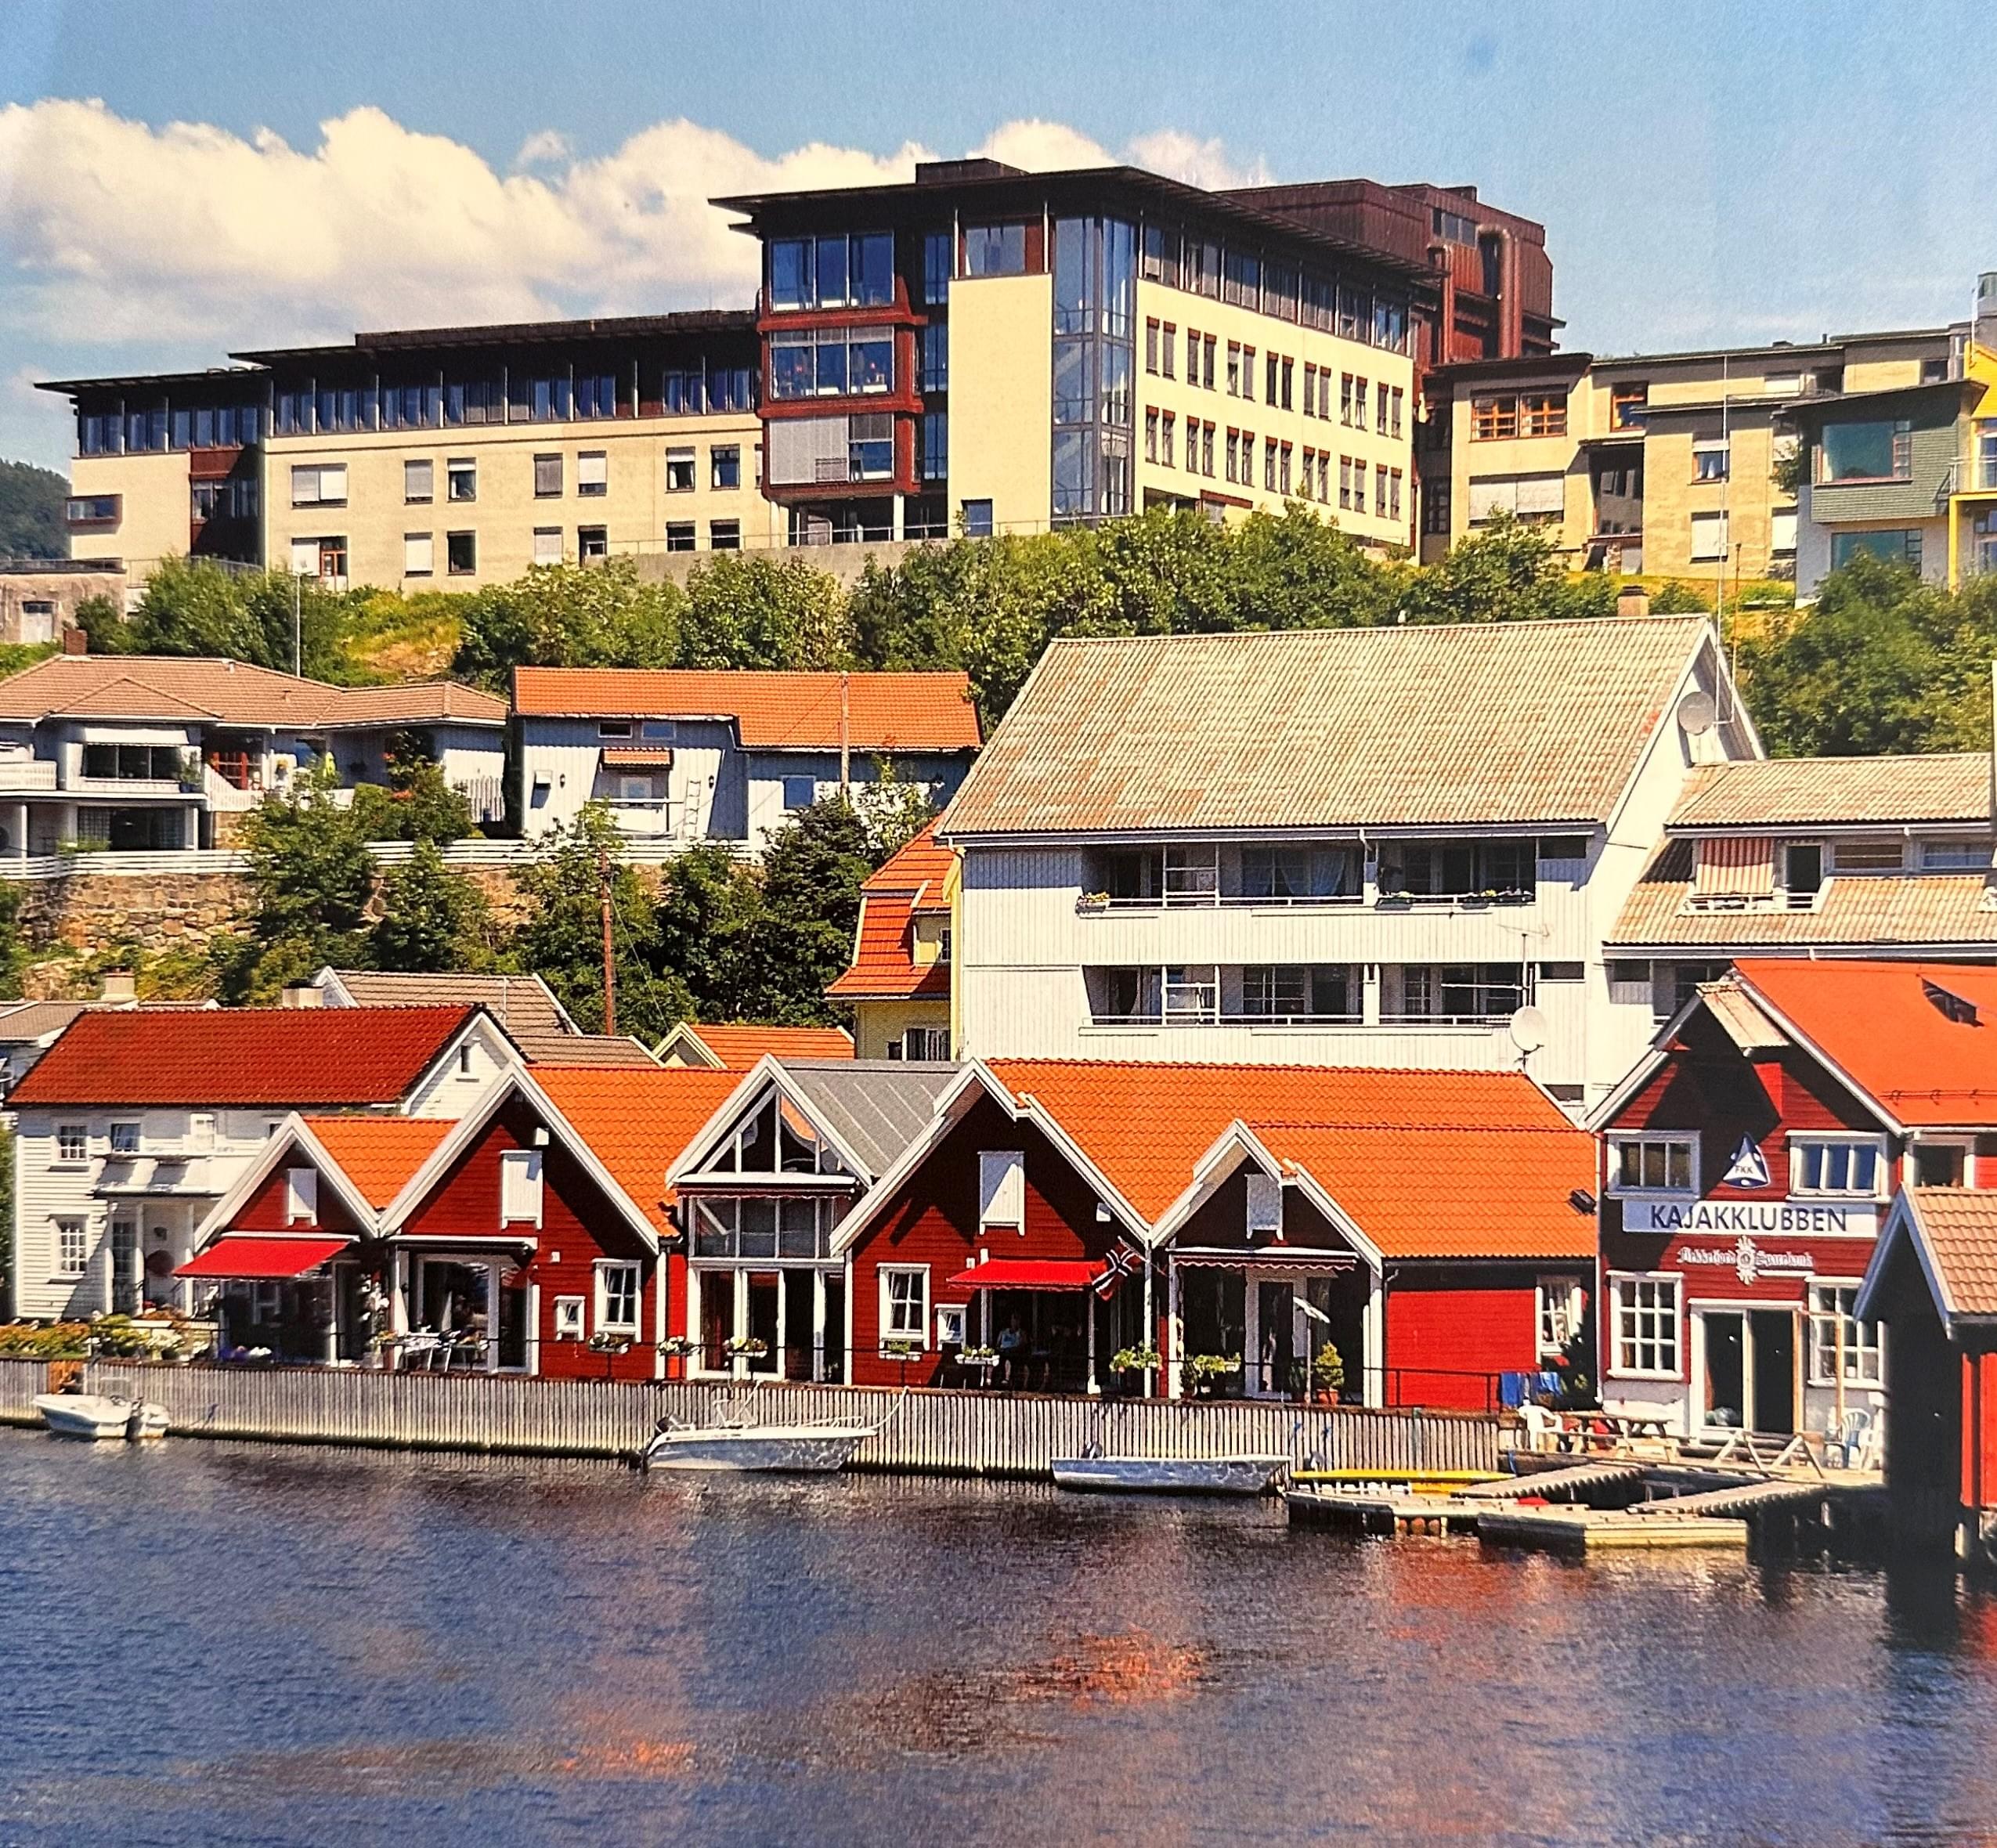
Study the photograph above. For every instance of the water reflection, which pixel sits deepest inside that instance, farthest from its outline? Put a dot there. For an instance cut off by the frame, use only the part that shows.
(310, 1646)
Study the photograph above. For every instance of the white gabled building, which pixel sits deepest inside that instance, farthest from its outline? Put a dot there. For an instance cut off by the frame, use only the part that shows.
(133, 1125)
(1368, 846)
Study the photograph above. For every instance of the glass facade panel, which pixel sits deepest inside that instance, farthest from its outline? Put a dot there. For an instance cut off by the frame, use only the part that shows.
(1095, 359)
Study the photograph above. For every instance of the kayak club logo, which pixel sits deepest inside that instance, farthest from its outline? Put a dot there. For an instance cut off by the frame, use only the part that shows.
(1749, 1168)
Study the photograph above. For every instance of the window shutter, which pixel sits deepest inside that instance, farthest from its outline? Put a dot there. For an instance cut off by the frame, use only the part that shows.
(1542, 493)
(520, 1185)
(1264, 1206)
(592, 469)
(300, 1195)
(1001, 1187)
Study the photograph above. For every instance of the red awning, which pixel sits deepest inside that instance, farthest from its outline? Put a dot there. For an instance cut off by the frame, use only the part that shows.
(240, 1254)
(1029, 1273)
(639, 756)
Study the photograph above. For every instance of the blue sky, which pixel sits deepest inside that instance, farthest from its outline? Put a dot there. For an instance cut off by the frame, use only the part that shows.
(1706, 172)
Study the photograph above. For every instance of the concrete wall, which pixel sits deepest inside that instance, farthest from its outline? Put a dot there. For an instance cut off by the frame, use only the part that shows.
(157, 514)
(1001, 398)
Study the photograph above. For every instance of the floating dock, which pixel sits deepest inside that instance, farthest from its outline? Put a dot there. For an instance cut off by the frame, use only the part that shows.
(1656, 1507)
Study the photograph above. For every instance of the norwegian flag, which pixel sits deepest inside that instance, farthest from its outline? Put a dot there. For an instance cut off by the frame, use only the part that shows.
(1124, 1260)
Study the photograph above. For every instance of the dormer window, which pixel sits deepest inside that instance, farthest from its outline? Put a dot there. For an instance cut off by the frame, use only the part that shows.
(1803, 868)
(1868, 856)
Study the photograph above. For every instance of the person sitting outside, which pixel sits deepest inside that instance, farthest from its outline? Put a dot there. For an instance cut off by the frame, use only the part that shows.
(1011, 1351)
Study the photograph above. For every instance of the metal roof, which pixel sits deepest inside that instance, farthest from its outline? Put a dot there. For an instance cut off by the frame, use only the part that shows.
(877, 1107)
(1795, 791)
(1481, 723)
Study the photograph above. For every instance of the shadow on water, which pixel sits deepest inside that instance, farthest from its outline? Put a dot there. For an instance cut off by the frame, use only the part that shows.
(307, 1646)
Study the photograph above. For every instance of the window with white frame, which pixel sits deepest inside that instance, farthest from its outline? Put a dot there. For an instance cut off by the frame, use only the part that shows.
(1001, 1189)
(1653, 1165)
(200, 1133)
(1709, 537)
(324, 486)
(1954, 856)
(904, 1303)
(520, 1186)
(124, 1139)
(1645, 1326)
(1840, 1342)
(950, 1324)
(419, 555)
(568, 1318)
(1560, 1313)
(72, 1141)
(1264, 1206)
(300, 1195)
(616, 1295)
(1851, 1166)
(72, 1247)
(592, 472)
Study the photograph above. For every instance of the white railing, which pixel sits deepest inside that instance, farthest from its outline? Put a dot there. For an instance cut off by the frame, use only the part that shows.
(110, 863)
(22, 776)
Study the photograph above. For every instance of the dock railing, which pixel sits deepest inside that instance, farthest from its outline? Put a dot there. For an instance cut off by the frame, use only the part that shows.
(929, 1430)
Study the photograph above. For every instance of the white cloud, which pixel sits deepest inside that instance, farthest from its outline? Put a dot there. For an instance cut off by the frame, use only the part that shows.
(125, 245)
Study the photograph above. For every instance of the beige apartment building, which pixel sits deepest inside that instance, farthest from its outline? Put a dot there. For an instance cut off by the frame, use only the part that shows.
(1664, 464)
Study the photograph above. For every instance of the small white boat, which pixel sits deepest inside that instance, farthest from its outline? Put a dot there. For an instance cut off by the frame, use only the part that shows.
(1171, 1475)
(92, 1416)
(788, 1448)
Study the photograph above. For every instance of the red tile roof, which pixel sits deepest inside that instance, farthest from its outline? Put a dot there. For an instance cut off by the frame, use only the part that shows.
(1387, 1146)
(738, 1048)
(638, 1124)
(379, 1154)
(242, 1055)
(884, 712)
(915, 879)
(1889, 1027)
(202, 690)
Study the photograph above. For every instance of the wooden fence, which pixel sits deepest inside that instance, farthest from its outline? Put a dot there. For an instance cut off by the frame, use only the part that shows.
(928, 1432)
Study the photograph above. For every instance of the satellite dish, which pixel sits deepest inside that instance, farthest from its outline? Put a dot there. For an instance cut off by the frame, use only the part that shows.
(1528, 1029)
(1695, 714)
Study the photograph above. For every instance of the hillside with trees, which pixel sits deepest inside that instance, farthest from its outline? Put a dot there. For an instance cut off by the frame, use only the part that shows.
(31, 501)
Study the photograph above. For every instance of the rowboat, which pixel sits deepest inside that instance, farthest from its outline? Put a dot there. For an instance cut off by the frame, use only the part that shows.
(91, 1416)
(1171, 1475)
(796, 1449)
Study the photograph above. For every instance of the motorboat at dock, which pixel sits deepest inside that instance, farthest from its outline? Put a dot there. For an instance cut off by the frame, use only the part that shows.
(94, 1416)
(1247, 1474)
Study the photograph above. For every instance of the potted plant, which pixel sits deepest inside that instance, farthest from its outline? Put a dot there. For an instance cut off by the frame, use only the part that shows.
(1093, 901)
(1328, 1374)
(1207, 1370)
(1133, 1364)
(745, 1346)
(1394, 901)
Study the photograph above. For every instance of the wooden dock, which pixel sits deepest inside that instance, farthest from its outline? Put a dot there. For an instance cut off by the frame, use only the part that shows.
(1016, 1434)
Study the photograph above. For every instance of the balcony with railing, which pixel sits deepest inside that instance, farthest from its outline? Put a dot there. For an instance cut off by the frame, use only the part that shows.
(27, 776)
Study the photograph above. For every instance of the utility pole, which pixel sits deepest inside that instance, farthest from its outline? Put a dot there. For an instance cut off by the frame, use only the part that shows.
(609, 960)
(297, 626)
(845, 737)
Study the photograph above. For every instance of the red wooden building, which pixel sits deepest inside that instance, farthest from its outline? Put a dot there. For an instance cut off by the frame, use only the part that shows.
(526, 1237)
(1746, 1161)
(1436, 1227)
(1932, 1286)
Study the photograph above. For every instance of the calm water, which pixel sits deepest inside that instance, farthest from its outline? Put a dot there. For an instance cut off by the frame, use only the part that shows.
(215, 1645)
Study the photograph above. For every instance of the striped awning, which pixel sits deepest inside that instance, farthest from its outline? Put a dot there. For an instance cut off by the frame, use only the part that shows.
(639, 756)
(1294, 1258)
(1735, 867)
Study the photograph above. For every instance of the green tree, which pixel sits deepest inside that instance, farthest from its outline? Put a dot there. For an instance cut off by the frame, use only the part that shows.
(432, 919)
(31, 503)
(417, 803)
(750, 610)
(1506, 572)
(13, 939)
(893, 810)
(802, 935)
(1879, 664)
(193, 606)
(312, 880)
(561, 936)
(568, 615)
(709, 904)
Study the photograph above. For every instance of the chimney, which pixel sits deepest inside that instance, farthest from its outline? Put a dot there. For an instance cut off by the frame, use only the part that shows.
(302, 994)
(1983, 330)
(75, 641)
(120, 986)
(1632, 600)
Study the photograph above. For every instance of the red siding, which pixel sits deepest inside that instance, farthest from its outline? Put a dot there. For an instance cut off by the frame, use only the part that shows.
(264, 1211)
(932, 1219)
(1979, 1430)
(579, 1225)
(1444, 1341)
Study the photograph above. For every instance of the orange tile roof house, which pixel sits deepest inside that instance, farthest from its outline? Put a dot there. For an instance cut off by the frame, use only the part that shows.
(134, 1122)
(1439, 1225)
(684, 755)
(737, 1047)
(898, 983)
(153, 752)
(1328, 846)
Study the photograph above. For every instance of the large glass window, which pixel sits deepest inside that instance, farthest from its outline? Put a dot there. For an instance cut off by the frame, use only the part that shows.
(844, 270)
(1900, 545)
(832, 362)
(1095, 360)
(1877, 451)
(1281, 993)
(1291, 873)
(995, 250)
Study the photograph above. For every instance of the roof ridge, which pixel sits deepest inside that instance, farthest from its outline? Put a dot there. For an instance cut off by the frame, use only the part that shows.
(1204, 1065)
(1533, 625)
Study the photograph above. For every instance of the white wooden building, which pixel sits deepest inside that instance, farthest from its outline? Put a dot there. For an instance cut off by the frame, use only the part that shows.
(1359, 847)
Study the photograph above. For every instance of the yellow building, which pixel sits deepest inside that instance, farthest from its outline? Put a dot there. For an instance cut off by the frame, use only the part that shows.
(899, 983)
(453, 457)
(1663, 464)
